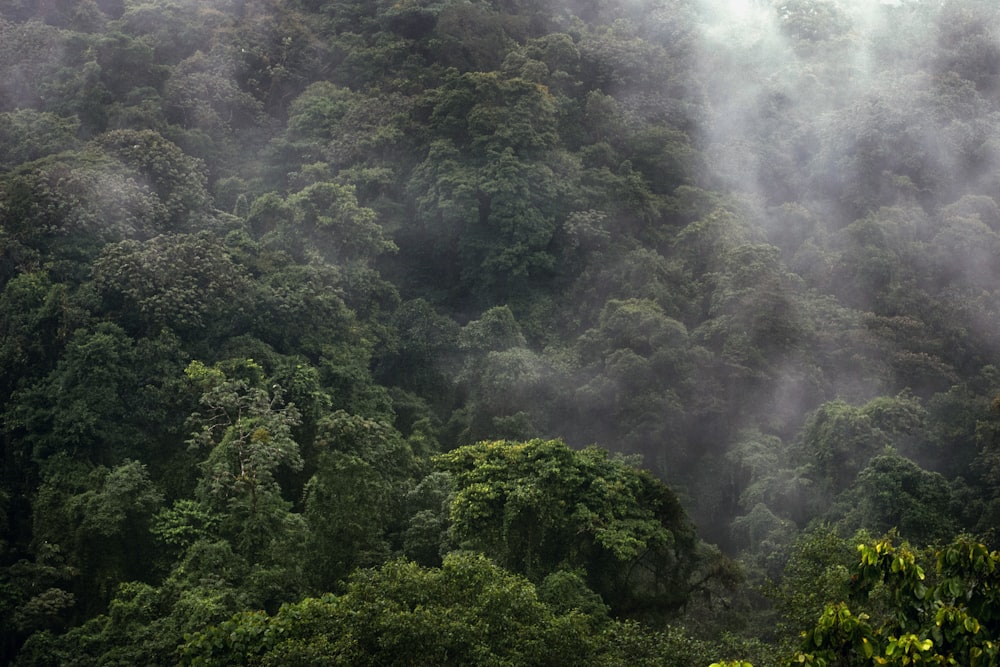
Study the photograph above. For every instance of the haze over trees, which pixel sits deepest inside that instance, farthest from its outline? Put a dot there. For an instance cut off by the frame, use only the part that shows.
(499, 332)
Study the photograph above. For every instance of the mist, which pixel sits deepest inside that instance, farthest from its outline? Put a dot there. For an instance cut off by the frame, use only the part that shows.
(845, 141)
(751, 246)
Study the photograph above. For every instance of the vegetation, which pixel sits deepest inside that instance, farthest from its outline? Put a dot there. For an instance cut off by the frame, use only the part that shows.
(656, 332)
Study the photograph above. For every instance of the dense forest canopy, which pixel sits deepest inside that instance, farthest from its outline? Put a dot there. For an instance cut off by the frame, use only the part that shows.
(499, 332)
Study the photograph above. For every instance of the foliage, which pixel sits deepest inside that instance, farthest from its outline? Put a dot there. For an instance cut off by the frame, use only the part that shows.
(752, 245)
(246, 432)
(538, 506)
(174, 281)
(467, 612)
(355, 497)
(943, 616)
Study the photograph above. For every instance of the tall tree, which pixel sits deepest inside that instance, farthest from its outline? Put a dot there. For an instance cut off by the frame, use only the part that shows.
(539, 506)
(245, 431)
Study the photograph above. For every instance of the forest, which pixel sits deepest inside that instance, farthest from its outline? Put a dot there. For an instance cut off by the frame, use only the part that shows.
(500, 332)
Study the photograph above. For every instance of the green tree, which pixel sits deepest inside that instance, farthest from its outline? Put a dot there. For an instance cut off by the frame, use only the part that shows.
(635, 361)
(841, 439)
(186, 282)
(754, 307)
(99, 519)
(769, 472)
(32, 52)
(246, 433)
(414, 360)
(127, 64)
(425, 537)
(84, 406)
(506, 385)
(175, 30)
(38, 316)
(964, 47)
(489, 189)
(812, 20)
(337, 226)
(359, 136)
(354, 500)
(892, 492)
(68, 205)
(467, 612)
(178, 180)
(202, 94)
(539, 506)
(816, 571)
(27, 135)
(940, 612)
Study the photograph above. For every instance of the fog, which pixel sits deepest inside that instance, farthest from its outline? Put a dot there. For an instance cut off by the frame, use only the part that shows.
(803, 211)
(845, 133)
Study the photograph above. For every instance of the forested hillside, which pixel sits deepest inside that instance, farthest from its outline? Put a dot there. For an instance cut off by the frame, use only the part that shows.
(485, 332)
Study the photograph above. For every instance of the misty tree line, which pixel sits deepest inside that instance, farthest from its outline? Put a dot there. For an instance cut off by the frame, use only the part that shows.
(499, 332)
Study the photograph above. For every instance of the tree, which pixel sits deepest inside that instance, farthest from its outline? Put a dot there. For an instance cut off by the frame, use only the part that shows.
(202, 94)
(471, 37)
(768, 472)
(964, 249)
(175, 30)
(122, 185)
(178, 180)
(359, 136)
(427, 506)
(354, 500)
(841, 439)
(635, 361)
(413, 362)
(37, 316)
(84, 406)
(246, 432)
(99, 519)
(893, 492)
(340, 229)
(812, 20)
(127, 65)
(539, 506)
(31, 52)
(467, 612)
(964, 44)
(69, 204)
(947, 618)
(27, 135)
(753, 308)
(506, 383)
(816, 571)
(185, 282)
(489, 190)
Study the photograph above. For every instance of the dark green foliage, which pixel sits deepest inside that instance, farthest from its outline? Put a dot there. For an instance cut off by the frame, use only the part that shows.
(754, 243)
(85, 405)
(468, 612)
(354, 501)
(27, 135)
(841, 439)
(245, 434)
(539, 506)
(181, 282)
(98, 519)
(176, 178)
(893, 492)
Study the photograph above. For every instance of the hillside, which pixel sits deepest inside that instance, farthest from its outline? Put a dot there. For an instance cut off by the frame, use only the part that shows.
(509, 332)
